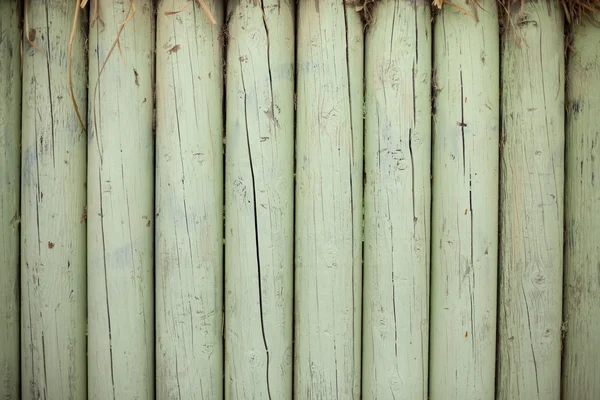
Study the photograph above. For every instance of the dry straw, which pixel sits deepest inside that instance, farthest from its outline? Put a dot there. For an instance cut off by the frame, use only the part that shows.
(574, 10)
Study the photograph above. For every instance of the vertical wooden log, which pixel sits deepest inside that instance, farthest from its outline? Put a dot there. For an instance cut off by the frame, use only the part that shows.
(464, 233)
(10, 145)
(397, 201)
(581, 360)
(259, 200)
(531, 204)
(329, 173)
(53, 240)
(189, 203)
(120, 204)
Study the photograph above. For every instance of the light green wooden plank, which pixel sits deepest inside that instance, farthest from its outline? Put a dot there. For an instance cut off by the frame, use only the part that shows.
(397, 201)
(53, 240)
(329, 177)
(581, 359)
(465, 203)
(10, 143)
(531, 204)
(120, 206)
(189, 203)
(259, 200)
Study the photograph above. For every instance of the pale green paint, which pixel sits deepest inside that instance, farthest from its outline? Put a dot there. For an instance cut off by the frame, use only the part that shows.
(581, 359)
(259, 194)
(464, 235)
(189, 203)
(53, 229)
(120, 206)
(531, 205)
(10, 142)
(329, 180)
(397, 202)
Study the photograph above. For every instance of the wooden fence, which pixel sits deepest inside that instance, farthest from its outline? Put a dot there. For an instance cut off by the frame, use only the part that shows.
(312, 200)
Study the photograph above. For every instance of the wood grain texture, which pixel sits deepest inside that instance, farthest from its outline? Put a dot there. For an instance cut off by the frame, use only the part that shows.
(464, 235)
(397, 201)
(531, 205)
(189, 203)
(120, 205)
(10, 171)
(259, 192)
(53, 196)
(329, 178)
(581, 358)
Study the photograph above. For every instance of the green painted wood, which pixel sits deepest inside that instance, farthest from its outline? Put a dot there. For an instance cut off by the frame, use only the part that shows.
(464, 264)
(10, 160)
(259, 192)
(120, 205)
(329, 176)
(53, 229)
(531, 204)
(189, 203)
(581, 359)
(397, 201)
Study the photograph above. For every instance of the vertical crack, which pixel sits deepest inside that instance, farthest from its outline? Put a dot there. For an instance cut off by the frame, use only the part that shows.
(412, 180)
(177, 377)
(44, 362)
(393, 284)
(351, 162)
(472, 284)
(260, 299)
(410, 150)
(262, 7)
(462, 121)
(416, 31)
(531, 342)
(112, 373)
(31, 339)
(48, 57)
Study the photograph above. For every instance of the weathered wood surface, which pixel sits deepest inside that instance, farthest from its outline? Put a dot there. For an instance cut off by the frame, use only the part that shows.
(120, 205)
(10, 144)
(53, 229)
(259, 195)
(189, 203)
(531, 204)
(397, 201)
(329, 175)
(464, 222)
(581, 359)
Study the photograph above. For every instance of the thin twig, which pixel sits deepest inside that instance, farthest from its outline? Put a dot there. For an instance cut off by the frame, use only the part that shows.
(70, 61)
(27, 31)
(130, 14)
(207, 11)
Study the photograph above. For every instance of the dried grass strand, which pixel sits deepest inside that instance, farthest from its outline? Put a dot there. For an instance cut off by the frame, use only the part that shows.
(28, 32)
(70, 61)
(116, 42)
(187, 5)
(575, 9)
(206, 10)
